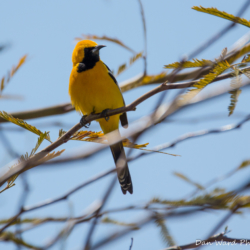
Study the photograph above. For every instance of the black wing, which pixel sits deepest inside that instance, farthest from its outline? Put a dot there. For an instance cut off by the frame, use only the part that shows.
(123, 116)
(81, 67)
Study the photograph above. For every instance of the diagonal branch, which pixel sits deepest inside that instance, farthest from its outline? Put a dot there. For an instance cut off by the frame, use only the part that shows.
(9, 236)
(67, 107)
(226, 128)
(149, 123)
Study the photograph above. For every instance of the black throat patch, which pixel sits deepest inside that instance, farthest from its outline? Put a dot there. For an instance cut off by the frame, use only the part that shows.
(89, 61)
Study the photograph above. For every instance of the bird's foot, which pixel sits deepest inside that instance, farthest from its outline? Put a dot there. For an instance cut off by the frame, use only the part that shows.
(83, 122)
(104, 113)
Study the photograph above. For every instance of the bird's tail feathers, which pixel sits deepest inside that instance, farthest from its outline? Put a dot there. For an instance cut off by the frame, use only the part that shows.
(122, 167)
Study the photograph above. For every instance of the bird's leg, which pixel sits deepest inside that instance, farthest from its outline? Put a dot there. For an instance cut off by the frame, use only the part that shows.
(93, 112)
(83, 122)
(104, 113)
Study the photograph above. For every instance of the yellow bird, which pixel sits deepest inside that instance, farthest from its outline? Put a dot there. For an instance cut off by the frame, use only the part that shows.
(94, 89)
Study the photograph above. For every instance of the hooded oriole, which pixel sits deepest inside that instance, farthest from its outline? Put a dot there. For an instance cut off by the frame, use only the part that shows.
(94, 89)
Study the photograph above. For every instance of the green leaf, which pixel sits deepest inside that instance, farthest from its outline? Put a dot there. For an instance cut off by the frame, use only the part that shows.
(121, 68)
(246, 73)
(189, 64)
(132, 60)
(11, 180)
(234, 94)
(23, 158)
(135, 57)
(216, 71)
(244, 50)
(10, 74)
(148, 79)
(223, 14)
(223, 54)
(246, 58)
(226, 230)
(244, 164)
(167, 238)
(105, 38)
(23, 124)
(39, 142)
(216, 199)
(183, 177)
(9, 236)
(99, 137)
(111, 221)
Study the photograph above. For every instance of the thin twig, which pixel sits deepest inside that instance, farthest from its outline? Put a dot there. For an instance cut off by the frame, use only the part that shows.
(205, 118)
(5, 46)
(8, 145)
(131, 245)
(191, 135)
(93, 225)
(22, 201)
(221, 223)
(145, 37)
(11, 221)
(219, 239)
(65, 196)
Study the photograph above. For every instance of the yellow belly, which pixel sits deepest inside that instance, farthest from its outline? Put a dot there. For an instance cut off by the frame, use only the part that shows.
(93, 91)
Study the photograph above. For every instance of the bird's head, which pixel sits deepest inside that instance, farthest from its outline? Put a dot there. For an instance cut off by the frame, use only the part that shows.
(86, 51)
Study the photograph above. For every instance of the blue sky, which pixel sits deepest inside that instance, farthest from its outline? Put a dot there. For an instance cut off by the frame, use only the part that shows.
(46, 31)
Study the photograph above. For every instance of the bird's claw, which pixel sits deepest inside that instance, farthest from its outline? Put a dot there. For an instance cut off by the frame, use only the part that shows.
(83, 122)
(104, 113)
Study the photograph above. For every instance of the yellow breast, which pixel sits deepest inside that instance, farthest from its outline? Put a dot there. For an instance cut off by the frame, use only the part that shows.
(94, 90)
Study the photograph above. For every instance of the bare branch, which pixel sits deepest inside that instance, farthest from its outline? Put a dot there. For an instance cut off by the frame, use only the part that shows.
(37, 113)
(145, 37)
(222, 129)
(8, 145)
(13, 219)
(105, 38)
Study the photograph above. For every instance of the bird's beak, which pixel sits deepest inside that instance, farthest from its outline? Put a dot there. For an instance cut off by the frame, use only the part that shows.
(97, 48)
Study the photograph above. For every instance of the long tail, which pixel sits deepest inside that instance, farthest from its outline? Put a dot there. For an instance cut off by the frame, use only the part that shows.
(123, 171)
